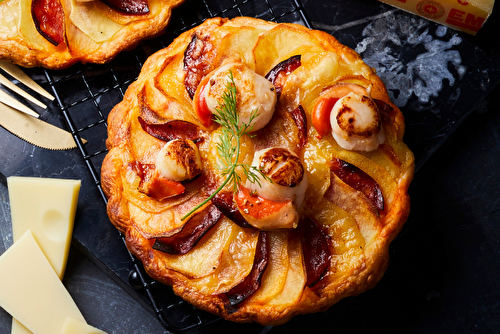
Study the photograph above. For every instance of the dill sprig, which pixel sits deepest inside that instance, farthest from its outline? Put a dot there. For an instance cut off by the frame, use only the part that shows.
(226, 114)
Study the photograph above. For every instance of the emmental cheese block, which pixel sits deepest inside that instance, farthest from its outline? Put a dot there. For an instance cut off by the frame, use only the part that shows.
(31, 291)
(73, 326)
(47, 207)
(465, 15)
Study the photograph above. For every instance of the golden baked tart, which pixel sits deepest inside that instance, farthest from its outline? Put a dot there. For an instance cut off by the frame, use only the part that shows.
(258, 169)
(58, 33)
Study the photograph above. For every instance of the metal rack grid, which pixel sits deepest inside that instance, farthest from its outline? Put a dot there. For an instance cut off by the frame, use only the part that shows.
(85, 95)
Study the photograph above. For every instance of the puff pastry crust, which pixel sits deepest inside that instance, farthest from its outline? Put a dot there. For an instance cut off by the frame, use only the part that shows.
(355, 232)
(93, 32)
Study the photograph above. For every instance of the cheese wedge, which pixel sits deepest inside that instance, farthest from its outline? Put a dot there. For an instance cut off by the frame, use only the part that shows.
(47, 207)
(18, 328)
(74, 326)
(31, 291)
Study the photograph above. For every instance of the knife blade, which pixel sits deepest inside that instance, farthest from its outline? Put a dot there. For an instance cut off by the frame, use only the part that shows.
(35, 131)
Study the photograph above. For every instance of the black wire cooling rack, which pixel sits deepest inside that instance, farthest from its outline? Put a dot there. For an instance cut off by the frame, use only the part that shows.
(85, 95)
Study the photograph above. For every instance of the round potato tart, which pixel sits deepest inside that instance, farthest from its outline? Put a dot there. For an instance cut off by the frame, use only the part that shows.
(58, 33)
(258, 169)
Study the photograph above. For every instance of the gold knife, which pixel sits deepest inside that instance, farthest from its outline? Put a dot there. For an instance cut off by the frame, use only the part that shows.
(35, 131)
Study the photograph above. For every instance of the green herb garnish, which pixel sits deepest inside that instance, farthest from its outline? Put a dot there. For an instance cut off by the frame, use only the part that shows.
(226, 114)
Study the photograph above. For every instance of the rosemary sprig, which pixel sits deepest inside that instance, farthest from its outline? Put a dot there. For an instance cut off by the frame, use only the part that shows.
(228, 148)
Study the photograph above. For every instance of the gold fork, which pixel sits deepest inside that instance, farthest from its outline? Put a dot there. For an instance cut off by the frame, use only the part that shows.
(18, 74)
(32, 128)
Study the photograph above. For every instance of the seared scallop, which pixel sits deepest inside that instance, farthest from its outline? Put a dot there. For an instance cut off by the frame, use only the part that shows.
(254, 93)
(179, 160)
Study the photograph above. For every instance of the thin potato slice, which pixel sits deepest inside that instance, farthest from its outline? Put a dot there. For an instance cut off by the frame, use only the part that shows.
(79, 43)
(295, 277)
(238, 45)
(278, 44)
(92, 23)
(275, 275)
(358, 205)
(236, 263)
(164, 107)
(126, 19)
(347, 242)
(318, 70)
(210, 249)
(168, 80)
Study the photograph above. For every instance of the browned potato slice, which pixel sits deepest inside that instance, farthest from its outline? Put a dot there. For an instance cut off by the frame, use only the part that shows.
(383, 176)
(347, 246)
(210, 248)
(95, 25)
(237, 45)
(164, 219)
(295, 277)
(280, 43)
(155, 107)
(236, 263)
(79, 44)
(275, 275)
(116, 16)
(169, 82)
(358, 205)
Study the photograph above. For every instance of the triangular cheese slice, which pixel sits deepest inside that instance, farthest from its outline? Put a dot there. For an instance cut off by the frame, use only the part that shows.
(31, 291)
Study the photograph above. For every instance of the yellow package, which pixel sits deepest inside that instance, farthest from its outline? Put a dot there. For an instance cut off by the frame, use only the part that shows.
(465, 15)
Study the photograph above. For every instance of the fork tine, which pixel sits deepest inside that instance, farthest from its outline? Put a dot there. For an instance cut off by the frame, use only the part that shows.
(6, 82)
(10, 101)
(17, 73)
